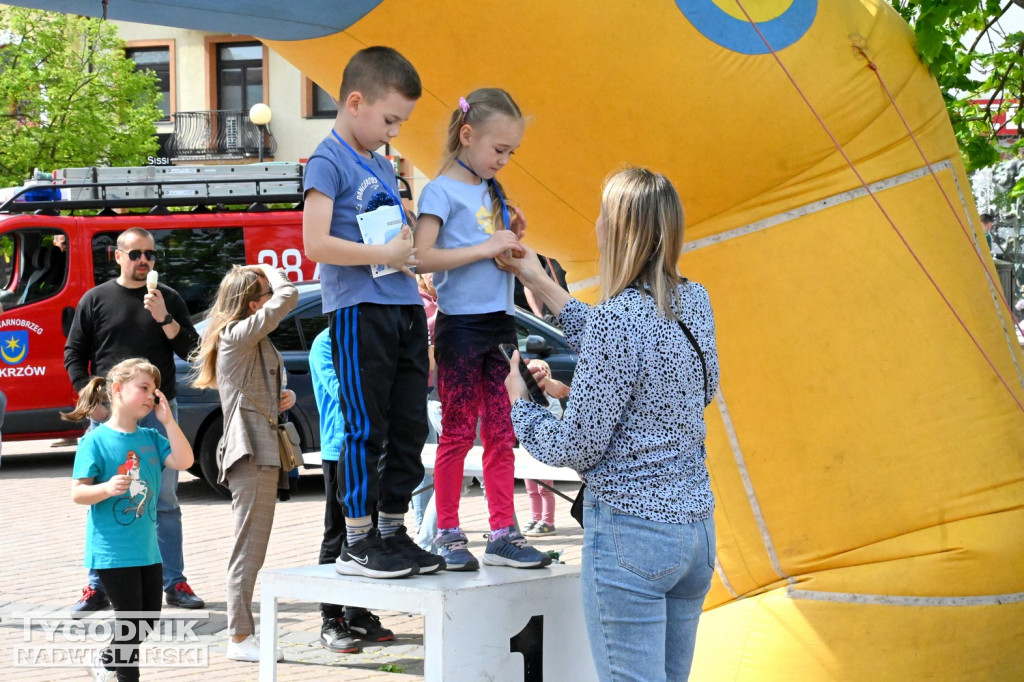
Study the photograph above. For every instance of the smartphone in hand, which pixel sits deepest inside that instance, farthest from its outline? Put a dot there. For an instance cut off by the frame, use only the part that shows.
(536, 393)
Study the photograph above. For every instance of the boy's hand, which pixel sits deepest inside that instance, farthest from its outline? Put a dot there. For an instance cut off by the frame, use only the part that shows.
(400, 252)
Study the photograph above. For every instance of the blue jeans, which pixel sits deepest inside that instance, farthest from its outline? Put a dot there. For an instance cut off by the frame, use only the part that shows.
(168, 516)
(643, 584)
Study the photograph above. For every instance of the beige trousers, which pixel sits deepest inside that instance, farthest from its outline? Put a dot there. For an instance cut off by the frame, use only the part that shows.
(253, 497)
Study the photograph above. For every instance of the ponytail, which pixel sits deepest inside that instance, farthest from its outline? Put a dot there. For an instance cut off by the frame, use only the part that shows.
(96, 393)
(93, 395)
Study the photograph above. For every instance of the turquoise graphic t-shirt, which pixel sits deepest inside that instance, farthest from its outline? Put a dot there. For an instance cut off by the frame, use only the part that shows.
(121, 530)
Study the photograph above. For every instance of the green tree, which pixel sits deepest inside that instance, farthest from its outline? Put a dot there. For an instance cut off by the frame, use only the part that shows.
(973, 59)
(69, 97)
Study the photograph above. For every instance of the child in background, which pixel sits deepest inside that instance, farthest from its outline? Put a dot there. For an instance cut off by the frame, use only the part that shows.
(117, 473)
(465, 226)
(425, 282)
(378, 327)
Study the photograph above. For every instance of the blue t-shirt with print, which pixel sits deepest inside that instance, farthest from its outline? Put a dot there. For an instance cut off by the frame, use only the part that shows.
(121, 530)
(334, 171)
(466, 220)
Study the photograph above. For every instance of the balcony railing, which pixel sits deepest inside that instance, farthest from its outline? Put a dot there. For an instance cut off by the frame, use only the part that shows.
(202, 135)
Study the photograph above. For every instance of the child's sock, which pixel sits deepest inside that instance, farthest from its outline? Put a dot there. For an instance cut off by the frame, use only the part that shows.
(388, 524)
(495, 534)
(357, 529)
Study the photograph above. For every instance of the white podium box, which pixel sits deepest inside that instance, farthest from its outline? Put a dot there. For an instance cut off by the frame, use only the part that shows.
(498, 623)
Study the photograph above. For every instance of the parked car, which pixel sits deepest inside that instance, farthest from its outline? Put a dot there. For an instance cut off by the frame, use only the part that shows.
(199, 411)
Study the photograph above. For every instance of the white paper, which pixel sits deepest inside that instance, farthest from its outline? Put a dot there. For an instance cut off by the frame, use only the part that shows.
(379, 227)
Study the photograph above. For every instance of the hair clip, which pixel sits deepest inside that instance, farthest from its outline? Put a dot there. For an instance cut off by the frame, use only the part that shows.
(464, 105)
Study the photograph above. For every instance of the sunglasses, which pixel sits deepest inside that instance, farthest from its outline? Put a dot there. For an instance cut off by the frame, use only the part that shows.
(136, 254)
(265, 293)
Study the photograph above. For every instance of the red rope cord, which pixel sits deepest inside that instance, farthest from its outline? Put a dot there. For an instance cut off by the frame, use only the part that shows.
(881, 208)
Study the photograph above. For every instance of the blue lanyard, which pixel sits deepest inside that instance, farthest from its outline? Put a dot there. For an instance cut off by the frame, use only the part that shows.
(391, 193)
(494, 185)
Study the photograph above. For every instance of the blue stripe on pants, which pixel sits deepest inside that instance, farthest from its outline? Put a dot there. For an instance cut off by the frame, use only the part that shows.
(356, 417)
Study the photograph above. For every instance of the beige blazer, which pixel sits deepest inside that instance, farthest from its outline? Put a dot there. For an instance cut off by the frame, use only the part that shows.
(247, 359)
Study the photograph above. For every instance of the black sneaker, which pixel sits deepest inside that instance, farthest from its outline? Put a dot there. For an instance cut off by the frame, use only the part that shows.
(365, 625)
(92, 601)
(407, 547)
(335, 636)
(374, 558)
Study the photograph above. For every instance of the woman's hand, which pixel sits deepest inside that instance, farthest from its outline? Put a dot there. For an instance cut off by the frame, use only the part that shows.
(162, 408)
(527, 268)
(514, 383)
(287, 399)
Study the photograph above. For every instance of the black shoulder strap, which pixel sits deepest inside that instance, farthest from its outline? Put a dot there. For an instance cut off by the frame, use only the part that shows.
(700, 356)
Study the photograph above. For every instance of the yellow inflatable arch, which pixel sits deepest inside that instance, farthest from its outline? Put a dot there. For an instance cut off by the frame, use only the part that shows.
(867, 445)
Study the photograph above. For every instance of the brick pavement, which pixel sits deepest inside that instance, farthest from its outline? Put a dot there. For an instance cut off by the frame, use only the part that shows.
(42, 543)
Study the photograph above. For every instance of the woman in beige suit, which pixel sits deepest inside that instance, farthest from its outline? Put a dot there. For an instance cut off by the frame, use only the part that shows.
(237, 357)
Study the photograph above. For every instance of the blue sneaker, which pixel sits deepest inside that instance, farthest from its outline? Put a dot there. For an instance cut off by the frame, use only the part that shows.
(511, 550)
(452, 548)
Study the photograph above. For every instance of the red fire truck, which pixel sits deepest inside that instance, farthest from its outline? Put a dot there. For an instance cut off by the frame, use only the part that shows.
(57, 240)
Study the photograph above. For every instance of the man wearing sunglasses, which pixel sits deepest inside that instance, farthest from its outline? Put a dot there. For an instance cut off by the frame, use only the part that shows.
(122, 319)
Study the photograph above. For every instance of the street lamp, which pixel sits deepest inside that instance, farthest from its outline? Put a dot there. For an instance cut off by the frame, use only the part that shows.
(260, 114)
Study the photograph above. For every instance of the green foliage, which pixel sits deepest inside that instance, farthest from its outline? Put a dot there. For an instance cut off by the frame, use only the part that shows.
(69, 96)
(972, 59)
(391, 668)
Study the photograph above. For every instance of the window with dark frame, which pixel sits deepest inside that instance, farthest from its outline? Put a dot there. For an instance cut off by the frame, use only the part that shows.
(158, 60)
(324, 105)
(239, 75)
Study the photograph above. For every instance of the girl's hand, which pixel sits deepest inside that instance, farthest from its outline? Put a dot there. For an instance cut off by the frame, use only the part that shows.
(400, 253)
(287, 399)
(502, 243)
(117, 485)
(518, 220)
(162, 408)
(514, 383)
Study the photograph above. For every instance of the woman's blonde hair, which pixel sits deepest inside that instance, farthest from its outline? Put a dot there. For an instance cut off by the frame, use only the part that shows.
(96, 392)
(238, 288)
(482, 106)
(643, 238)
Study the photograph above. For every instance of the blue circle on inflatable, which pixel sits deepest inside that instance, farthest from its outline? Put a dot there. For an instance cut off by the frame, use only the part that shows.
(739, 35)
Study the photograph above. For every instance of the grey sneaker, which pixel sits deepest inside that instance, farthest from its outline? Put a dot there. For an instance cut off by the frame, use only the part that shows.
(511, 550)
(452, 548)
(529, 527)
(539, 528)
(336, 637)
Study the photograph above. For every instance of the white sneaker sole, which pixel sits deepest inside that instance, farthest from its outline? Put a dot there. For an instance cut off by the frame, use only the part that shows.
(496, 560)
(352, 567)
(253, 659)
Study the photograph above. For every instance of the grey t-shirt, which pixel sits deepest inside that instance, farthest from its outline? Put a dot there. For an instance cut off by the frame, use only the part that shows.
(334, 171)
(466, 220)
